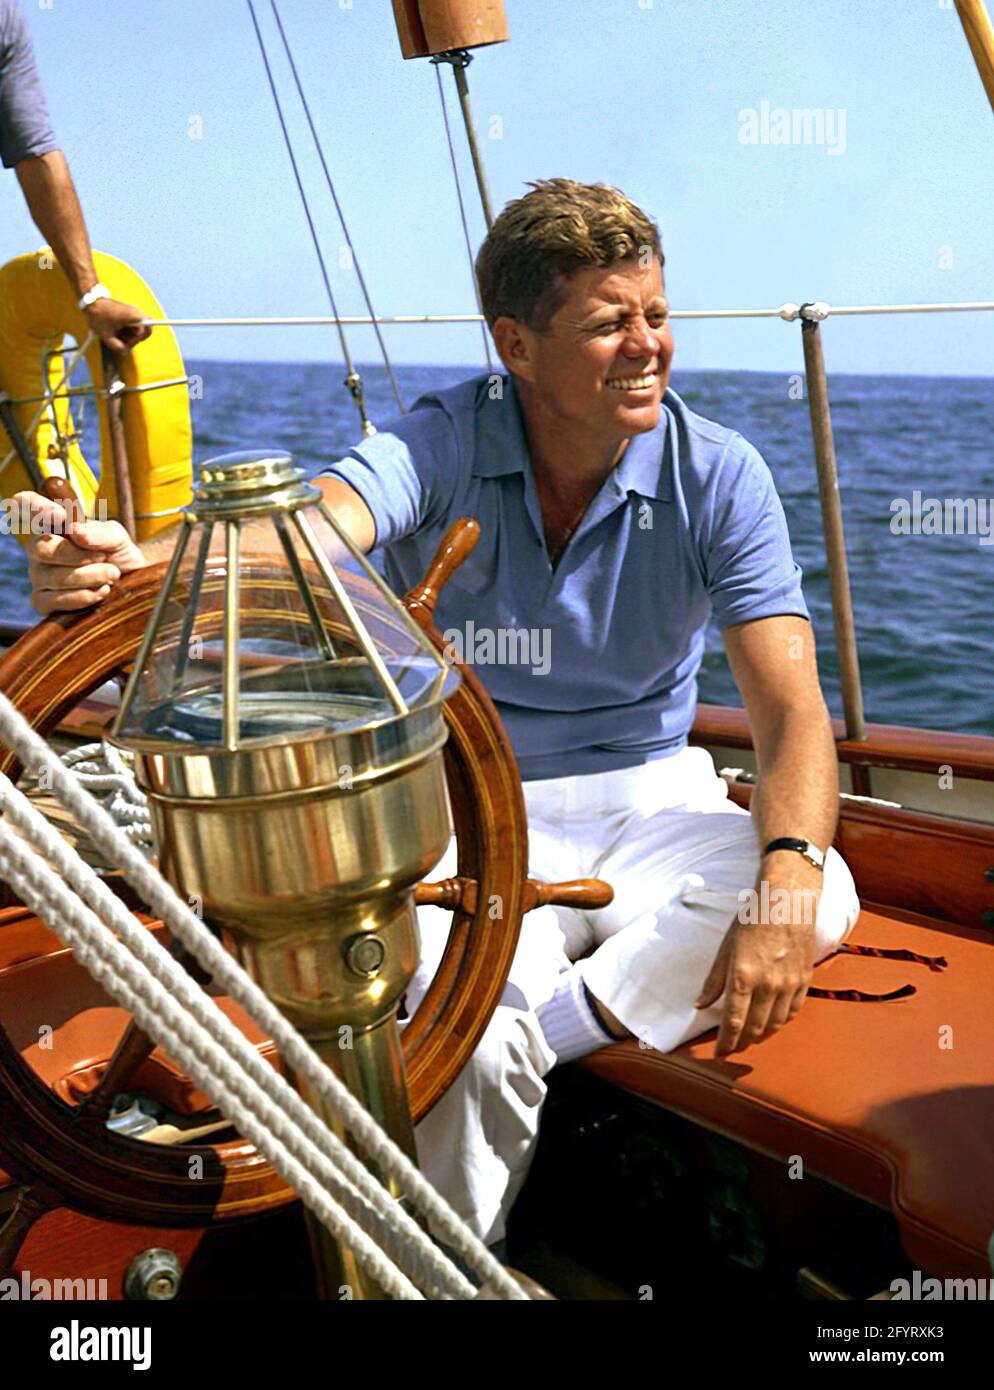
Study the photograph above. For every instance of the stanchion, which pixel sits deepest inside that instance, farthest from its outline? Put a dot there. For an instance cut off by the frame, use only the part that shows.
(835, 543)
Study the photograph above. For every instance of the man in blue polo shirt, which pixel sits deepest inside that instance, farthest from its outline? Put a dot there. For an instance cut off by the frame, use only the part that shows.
(614, 524)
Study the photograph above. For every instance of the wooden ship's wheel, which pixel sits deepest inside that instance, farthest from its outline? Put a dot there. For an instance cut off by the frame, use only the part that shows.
(66, 1153)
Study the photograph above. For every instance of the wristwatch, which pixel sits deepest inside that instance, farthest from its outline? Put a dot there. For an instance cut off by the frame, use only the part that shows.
(811, 852)
(96, 292)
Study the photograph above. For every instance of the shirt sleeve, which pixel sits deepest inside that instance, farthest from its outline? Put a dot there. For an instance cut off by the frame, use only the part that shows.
(751, 571)
(407, 474)
(25, 128)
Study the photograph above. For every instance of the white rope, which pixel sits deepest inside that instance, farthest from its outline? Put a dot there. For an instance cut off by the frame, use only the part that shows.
(407, 1244)
(165, 1020)
(784, 312)
(74, 358)
(101, 769)
(298, 1055)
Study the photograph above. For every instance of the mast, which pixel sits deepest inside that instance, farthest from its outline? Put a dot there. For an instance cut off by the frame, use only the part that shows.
(980, 36)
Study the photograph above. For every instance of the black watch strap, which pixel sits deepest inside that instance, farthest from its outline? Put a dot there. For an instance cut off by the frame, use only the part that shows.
(811, 852)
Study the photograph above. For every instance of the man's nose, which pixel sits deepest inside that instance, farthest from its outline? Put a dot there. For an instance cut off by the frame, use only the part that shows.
(641, 340)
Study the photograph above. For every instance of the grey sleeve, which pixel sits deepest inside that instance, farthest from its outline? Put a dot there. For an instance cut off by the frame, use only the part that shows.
(25, 128)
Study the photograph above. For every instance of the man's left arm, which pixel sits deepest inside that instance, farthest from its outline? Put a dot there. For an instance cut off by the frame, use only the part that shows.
(765, 966)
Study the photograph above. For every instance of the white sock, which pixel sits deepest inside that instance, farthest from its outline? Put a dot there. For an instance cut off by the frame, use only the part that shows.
(568, 1021)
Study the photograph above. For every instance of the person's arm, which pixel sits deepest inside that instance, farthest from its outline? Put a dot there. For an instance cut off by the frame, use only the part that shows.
(52, 201)
(77, 570)
(350, 511)
(28, 146)
(775, 668)
(764, 967)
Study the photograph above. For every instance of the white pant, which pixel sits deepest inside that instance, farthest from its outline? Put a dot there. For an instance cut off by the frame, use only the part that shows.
(677, 853)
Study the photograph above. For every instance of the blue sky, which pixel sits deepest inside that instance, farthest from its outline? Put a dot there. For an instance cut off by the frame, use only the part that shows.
(645, 94)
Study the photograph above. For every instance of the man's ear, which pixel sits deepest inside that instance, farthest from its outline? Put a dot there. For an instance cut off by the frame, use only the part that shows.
(515, 344)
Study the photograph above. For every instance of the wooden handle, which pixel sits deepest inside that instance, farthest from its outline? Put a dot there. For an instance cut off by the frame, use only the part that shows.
(450, 893)
(59, 490)
(576, 892)
(461, 894)
(459, 541)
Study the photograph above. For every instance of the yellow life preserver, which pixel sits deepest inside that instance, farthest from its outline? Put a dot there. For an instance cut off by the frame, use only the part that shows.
(37, 310)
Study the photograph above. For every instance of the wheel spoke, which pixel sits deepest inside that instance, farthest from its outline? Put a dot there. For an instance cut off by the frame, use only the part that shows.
(30, 1205)
(461, 894)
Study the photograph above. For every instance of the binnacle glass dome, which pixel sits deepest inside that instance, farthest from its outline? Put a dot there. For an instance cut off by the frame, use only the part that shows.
(270, 625)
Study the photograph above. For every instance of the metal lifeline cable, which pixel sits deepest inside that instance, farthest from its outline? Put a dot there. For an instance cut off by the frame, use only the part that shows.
(100, 392)
(787, 312)
(338, 208)
(462, 211)
(353, 380)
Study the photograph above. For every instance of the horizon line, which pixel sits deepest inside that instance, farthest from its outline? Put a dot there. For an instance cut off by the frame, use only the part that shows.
(482, 371)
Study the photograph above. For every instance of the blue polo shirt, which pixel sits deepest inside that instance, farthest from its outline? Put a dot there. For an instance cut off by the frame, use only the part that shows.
(592, 666)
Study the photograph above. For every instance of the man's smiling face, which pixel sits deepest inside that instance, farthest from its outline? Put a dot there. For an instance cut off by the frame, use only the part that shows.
(604, 361)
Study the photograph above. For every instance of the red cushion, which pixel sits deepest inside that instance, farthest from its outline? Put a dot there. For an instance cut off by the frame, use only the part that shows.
(864, 1092)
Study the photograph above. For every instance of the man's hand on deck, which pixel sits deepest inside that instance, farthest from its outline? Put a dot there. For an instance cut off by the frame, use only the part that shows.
(765, 961)
(73, 565)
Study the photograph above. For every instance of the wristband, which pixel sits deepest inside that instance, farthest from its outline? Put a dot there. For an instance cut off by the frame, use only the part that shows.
(91, 296)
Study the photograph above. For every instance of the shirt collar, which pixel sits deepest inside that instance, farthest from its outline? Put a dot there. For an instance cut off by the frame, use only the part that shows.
(645, 465)
(502, 447)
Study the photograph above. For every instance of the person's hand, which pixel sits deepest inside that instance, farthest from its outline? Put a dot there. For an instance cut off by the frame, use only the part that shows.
(764, 966)
(118, 325)
(73, 564)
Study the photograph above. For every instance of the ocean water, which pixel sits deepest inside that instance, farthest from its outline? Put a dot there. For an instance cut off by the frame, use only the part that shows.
(924, 604)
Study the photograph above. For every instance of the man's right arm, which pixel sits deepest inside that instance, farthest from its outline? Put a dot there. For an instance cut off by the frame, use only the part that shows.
(79, 569)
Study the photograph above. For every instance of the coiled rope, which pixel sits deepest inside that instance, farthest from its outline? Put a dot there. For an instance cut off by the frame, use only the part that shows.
(101, 769)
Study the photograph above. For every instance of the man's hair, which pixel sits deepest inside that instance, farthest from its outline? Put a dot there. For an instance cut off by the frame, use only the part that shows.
(540, 240)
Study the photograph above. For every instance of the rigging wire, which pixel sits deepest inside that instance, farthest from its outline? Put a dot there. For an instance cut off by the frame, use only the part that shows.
(338, 207)
(462, 212)
(353, 380)
(74, 356)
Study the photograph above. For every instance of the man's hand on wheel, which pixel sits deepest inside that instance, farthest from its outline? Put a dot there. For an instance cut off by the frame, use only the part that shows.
(73, 565)
(764, 968)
